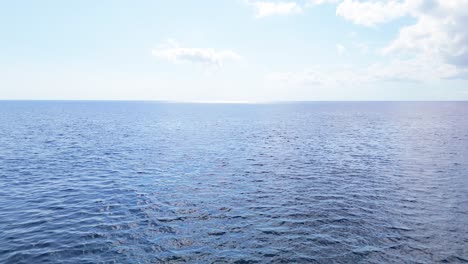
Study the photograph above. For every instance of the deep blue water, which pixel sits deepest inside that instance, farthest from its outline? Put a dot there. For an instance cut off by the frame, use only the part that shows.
(142, 182)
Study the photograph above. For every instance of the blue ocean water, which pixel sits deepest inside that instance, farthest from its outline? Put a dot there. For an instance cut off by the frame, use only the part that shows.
(147, 182)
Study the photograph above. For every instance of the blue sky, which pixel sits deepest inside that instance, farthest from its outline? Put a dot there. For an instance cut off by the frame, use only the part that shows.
(234, 50)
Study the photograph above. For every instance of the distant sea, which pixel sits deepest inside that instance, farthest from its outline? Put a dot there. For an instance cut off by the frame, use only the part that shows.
(149, 182)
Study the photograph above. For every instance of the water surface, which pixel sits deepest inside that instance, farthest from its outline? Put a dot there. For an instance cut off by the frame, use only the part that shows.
(143, 182)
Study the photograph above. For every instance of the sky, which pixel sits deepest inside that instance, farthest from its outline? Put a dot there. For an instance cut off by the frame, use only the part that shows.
(234, 50)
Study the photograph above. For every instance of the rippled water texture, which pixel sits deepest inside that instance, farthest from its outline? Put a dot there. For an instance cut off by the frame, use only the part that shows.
(141, 182)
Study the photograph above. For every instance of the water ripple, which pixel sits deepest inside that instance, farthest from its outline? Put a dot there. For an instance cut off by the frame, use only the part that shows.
(122, 182)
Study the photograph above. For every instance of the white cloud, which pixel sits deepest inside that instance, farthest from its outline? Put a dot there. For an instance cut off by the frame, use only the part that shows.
(176, 54)
(370, 13)
(264, 9)
(440, 31)
(434, 48)
(340, 49)
(362, 47)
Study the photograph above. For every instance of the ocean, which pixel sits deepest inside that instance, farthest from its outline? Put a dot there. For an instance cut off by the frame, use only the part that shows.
(305, 182)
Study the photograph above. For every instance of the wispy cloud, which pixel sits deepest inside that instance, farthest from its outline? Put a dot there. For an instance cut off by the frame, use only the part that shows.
(340, 49)
(320, 2)
(264, 8)
(421, 69)
(172, 52)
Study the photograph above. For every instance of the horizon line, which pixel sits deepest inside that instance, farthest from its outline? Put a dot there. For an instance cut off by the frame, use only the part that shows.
(218, 101)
